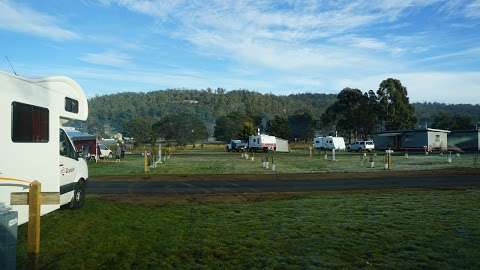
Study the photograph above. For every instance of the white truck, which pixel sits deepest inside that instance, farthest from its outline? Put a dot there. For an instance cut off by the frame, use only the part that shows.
(360, 146)
(262, 142)
(31, 115)
(329, 143)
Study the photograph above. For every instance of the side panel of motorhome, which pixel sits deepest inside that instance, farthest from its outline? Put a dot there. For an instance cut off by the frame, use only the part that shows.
(28, 139)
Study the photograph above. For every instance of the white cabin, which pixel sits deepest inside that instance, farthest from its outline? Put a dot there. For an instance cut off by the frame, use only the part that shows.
(34, 147)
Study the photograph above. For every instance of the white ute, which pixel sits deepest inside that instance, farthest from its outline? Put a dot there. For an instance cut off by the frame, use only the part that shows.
(34, 145)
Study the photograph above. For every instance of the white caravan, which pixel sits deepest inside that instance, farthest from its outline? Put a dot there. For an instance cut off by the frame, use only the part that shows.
(329, 143)
(262, 142)
(34, 145)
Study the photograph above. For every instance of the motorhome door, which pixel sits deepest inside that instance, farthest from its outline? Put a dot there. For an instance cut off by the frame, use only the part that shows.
(68, 165)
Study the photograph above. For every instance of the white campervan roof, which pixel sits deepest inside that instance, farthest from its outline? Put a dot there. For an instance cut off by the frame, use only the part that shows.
(31, 112)
(60, 85)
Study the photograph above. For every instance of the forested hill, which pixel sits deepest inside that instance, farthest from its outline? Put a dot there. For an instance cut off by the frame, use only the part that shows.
(117, 109)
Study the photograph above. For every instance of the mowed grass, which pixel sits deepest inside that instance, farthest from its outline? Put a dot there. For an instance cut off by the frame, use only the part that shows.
(298, 161)
(375, 230)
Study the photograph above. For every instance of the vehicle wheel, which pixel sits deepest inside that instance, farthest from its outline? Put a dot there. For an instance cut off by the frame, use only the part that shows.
(78, 199)
(110, 156)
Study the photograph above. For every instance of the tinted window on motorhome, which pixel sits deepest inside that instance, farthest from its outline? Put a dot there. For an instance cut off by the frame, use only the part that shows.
(71, 105)
(29, 123)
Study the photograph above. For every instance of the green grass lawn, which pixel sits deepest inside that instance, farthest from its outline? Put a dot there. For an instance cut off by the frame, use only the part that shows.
(218, 162)
(402, 230)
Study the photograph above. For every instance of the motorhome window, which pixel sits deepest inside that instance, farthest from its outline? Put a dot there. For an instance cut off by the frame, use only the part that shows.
(29, 123)
(71, 105)
(66, 148)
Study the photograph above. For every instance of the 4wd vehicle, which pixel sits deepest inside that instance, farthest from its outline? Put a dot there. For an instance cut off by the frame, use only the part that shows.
(236, 145)
(362, 146)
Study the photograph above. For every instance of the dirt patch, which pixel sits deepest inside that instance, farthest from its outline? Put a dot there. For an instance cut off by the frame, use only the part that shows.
(150, 199)
(292, 176)
(155, 199)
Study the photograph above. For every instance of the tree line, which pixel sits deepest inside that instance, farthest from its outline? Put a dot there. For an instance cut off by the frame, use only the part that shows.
(193, 115)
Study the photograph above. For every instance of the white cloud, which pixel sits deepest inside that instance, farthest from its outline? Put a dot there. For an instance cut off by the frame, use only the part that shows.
(473, 9)
(448, 87)
(108, 58)
(469, 53)
(294, 38)
(20, 18)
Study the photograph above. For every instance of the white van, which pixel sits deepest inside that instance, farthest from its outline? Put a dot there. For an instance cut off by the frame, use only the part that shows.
(329, 143)
(34, 145)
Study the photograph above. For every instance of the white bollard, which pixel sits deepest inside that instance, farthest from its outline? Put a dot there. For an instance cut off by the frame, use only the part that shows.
(253, 158)
(449, 157)
(326, 156)
(266, 165)
(333, 155)
(274, 167)
(372, 164)
(406, 155)
(458, 154)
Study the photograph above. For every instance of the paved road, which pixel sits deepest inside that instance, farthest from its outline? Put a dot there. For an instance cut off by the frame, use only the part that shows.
(240, 186)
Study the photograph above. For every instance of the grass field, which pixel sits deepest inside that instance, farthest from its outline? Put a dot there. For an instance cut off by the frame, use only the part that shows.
(218, 162)
(402, 230)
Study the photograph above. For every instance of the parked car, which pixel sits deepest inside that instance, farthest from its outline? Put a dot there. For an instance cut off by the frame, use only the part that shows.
(104, 151)
(236, 145)
(360, 146)
(329, 143)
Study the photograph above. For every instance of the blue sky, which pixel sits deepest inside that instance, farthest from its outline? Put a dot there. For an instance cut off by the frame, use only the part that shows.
(281, 47)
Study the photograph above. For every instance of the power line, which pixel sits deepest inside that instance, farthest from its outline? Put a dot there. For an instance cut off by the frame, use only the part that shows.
(11, 66)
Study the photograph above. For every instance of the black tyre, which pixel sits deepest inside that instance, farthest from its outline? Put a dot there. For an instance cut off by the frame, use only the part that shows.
(78, 200)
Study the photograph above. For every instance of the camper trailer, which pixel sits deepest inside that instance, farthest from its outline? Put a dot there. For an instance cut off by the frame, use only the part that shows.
(262, 142)
(34, 144)
(329, 143)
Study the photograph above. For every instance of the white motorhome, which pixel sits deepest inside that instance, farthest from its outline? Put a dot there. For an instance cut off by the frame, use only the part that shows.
(329, 143)
(262, 142)
(34, 145)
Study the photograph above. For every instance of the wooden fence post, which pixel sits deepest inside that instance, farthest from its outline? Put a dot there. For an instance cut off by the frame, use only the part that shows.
(145, 162)
(33, 234)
